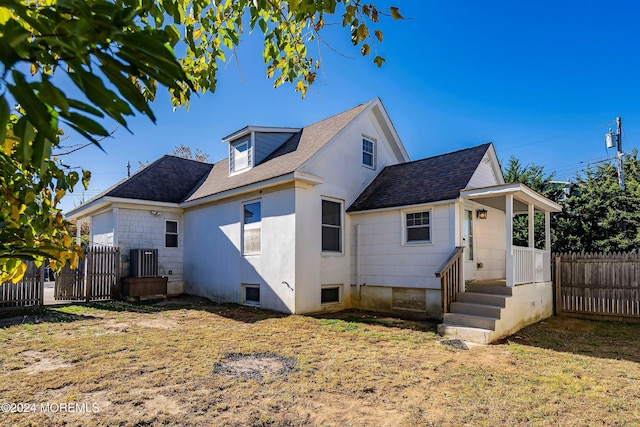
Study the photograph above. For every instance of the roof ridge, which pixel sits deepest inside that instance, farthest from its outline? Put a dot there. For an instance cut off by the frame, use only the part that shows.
(441, 155)
(342, 112)
(184, 158)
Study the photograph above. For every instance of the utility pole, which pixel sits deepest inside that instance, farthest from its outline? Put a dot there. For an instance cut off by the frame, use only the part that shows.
(128, 169)
(620, 154)
(613, 140)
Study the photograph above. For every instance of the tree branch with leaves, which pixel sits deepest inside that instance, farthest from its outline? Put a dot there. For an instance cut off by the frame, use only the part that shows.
(116, 53)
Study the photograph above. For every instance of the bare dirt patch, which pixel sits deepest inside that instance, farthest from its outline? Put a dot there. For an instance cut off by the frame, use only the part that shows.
(158, 323)
(255, 366)
(38, 361)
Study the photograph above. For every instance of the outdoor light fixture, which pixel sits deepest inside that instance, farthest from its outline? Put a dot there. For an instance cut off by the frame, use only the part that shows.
(156, 213)
(481, 213)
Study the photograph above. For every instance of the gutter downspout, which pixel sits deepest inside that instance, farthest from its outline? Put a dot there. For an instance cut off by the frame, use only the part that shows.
(358, 268)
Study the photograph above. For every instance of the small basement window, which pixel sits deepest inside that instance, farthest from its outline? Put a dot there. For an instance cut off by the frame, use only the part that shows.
(171, 234)
(330, 294)
(251, 294)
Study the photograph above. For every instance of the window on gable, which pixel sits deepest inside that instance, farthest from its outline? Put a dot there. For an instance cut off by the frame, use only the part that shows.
(331, 226)
(171, 234)
(368, 153)
(418, 227)
(251, 228)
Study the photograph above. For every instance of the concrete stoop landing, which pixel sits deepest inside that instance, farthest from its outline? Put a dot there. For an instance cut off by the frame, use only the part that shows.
(476, 314)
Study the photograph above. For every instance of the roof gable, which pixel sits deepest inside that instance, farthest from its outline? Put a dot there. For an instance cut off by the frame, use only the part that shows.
(284, 160)
(422, 181)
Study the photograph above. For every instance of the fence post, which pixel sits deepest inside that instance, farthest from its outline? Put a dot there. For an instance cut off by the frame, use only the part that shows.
(558, 286)
(41, 286)
(87, 265)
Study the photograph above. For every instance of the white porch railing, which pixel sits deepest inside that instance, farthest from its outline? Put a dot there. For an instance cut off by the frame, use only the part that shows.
(531, 265)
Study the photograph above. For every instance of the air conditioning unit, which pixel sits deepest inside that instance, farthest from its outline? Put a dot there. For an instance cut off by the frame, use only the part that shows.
(144, 263)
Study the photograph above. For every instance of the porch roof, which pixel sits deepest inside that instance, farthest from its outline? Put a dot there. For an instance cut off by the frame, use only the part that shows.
(494, 196)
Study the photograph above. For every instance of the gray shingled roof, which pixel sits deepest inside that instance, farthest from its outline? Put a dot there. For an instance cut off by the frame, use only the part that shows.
(168, 179)
(421, 181)
(285, 159)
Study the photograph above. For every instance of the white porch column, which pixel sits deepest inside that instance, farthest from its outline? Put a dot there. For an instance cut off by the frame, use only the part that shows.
(78, 231)
(547, 231)
(532, 235)
(509, 243)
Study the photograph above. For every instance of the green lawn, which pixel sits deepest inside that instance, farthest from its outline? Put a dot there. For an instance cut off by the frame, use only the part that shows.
(192, 362)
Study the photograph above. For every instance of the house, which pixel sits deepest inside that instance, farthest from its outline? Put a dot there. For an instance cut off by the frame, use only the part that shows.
(335, 215)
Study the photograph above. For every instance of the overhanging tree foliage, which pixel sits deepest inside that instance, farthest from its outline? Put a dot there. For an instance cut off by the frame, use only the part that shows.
(534, 177)
(116, 53)
(599, 216)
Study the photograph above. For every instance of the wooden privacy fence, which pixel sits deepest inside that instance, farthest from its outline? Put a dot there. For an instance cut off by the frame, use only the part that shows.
(598, 284)
(97, 276)
(27, 292)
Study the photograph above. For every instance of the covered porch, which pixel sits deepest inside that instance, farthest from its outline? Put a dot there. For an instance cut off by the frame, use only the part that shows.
(498, 278)
(527, 254)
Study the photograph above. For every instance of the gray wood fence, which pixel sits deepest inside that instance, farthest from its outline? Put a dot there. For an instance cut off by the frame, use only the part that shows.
(27, 292)
(598, 285)
(97, 277)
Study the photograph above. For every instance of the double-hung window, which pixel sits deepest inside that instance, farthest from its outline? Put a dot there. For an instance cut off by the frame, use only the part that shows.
(171, 234)
(418, 227)
(251, 228)
(368, 153)
(331, 226)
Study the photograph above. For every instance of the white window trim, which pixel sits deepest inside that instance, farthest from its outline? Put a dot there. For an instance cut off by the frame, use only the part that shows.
(403, 216)
(232, 149)
(373, 154)
(244, 227)
(342, 227)
(177, 233)
(243, 294)
(340, 295)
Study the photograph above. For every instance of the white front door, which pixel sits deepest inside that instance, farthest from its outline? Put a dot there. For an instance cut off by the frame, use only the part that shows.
(469, 244)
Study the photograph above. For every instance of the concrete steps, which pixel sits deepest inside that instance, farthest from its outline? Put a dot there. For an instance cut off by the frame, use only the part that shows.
(474, 315)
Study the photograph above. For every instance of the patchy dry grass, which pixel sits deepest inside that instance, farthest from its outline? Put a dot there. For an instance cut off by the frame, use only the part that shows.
(146, 364)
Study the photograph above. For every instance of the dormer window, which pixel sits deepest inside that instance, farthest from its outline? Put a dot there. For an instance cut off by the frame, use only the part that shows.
(250, 146)
(240, 155)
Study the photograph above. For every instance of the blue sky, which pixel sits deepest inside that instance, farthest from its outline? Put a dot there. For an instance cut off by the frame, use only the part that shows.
(541, 80)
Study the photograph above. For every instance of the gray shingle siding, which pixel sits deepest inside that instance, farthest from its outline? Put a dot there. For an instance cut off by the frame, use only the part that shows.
(267, 142)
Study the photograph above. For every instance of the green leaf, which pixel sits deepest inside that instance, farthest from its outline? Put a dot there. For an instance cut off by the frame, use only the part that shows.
(86, 124)
(378, 60)
(4, 119)
(125, 86)
(35, 109)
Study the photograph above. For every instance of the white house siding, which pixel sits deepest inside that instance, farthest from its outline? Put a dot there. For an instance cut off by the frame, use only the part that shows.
(387, 265)
(490, 235)
(484, 176)
(102, 229)
(214, 264)
(340, 165)
(139, 229)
